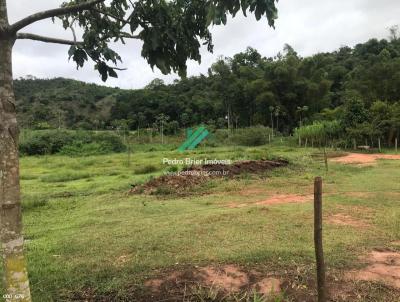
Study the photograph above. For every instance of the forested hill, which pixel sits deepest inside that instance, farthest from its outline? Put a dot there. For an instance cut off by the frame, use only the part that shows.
(44, 103)
(249, 89)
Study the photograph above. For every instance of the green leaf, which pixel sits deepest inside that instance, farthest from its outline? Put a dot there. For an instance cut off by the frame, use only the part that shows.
(112, 73)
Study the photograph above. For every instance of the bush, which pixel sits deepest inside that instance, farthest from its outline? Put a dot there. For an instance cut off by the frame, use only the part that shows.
(319, 132)
(217, 138)
(254, 136)
(45, 142)
(70, 143)
(109, 142)
(79, 148)
(33, 146)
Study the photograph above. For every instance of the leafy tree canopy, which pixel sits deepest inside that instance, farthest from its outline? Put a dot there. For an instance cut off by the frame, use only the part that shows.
(172, 31)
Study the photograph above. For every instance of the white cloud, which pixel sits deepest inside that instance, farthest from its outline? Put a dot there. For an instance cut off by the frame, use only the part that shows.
(310, 26)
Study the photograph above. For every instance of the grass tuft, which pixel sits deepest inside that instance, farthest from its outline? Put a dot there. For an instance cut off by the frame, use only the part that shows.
(65, 176)
(147, 169)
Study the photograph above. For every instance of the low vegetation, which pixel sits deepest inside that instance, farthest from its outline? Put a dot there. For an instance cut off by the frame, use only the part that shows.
(87, 239)
(253, 136)
(69, 142)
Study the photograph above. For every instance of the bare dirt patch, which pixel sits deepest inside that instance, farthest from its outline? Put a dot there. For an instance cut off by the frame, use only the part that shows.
(383, 267)
(201, 284)
(251, 191)
(267, 286)
(122, 260)
(275, 199)
(238, 205)
(285, 198)
(346, 220)
(196, 175)
(363, 159)
(228, 278)
(156, 284)
(359, 194)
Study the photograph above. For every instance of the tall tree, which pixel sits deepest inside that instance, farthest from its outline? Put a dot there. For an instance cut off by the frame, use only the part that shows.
(172, 32)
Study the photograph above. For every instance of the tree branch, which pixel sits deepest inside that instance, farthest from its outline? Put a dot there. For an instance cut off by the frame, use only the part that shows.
(129, 36)
(111, 16)
(73, 32)
(53, 13)
(119, 69)
(46, 39)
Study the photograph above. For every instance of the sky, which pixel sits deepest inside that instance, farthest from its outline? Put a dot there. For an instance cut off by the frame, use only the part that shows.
(309, 26)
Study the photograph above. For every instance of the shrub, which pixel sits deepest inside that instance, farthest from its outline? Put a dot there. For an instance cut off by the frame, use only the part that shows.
(34, 146)
(45, 142)
(319, 131)
(109, 141)
(216, 138)
(254, 136)
(79, 148)
(70, 143)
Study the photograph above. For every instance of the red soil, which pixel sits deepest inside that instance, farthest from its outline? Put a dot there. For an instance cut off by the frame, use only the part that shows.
(275, 199)
(383, 267)
(285, 198)
(363, 159)
(228, 278)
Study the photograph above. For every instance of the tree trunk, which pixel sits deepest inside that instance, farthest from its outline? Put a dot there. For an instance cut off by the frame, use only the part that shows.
(391, 136)
(272, 124)
(16, 281)
(229, 119)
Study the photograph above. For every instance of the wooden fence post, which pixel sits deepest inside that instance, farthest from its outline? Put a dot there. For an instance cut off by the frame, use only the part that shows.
(395, 144)
(129, 154)
(379, 144)
(326, 160)
(319, 253)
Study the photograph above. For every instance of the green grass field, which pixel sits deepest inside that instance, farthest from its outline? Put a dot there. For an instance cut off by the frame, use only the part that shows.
(86, 236)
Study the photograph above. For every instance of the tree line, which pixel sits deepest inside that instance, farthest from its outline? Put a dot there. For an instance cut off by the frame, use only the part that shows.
(357, 87)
